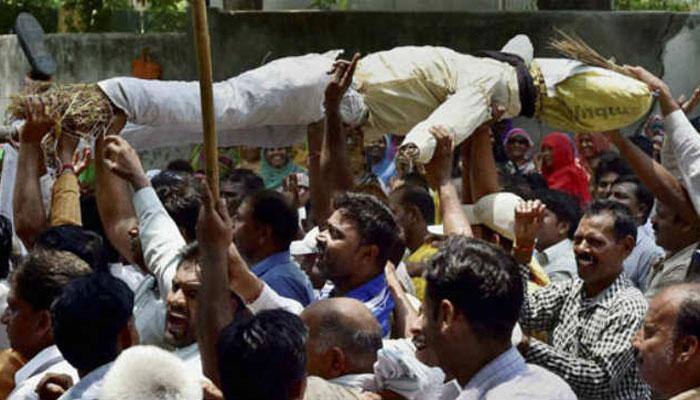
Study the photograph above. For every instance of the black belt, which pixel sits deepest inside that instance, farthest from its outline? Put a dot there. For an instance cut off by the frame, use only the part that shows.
(526, 86)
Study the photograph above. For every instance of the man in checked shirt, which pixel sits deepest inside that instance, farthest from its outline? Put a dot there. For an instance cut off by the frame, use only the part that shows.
(591, 318)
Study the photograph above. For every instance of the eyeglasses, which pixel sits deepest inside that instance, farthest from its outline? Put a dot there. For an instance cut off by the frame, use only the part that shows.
(519, 140)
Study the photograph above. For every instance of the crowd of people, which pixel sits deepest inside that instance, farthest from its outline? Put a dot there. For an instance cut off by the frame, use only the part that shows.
(500, 269)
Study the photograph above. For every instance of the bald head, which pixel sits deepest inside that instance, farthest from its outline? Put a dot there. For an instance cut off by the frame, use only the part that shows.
(346, 325)
(685, 301)
(668, 344)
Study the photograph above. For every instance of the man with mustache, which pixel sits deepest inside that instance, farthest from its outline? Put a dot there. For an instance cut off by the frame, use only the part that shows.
(591, 318)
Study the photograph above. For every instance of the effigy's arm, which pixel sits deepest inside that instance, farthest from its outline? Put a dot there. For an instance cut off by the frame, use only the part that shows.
(461, 114)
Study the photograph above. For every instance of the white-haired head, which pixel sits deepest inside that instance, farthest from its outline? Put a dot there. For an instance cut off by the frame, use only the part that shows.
(353, 110)
(150, 373)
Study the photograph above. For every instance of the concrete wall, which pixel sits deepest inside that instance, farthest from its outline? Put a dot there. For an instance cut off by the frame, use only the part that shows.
(92, 57)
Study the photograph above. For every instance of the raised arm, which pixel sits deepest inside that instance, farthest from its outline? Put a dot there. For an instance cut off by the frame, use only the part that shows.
(335, 164)
(438, 171)
(114, 199)
(215, 308)
(666, 187)
(320, 198)
(65, 198)
(29, 213)
(528, 221)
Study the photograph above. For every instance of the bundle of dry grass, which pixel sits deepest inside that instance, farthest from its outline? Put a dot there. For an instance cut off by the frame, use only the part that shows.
(572, 46)
(81, 110)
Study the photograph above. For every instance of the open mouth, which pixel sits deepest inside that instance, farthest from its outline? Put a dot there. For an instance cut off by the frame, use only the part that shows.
(176, 320)
(585, 260)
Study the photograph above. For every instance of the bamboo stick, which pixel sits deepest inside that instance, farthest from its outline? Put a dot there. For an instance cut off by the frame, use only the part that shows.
(203, 52)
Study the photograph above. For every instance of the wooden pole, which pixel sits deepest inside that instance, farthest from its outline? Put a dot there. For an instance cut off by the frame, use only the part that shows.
(203, 52)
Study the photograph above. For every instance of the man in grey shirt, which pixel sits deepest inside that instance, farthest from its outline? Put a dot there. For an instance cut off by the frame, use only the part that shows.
(633, 194)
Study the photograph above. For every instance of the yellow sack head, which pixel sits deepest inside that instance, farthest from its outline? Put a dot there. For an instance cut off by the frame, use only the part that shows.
(596, 100)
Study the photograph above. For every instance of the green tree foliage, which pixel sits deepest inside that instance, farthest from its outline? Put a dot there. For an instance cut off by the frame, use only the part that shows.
(657, 5)
(98, 15)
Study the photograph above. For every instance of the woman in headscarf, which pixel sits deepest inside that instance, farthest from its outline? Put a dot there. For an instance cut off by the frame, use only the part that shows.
(518, 145)
(560, 169)
(380, 157)
(275, 165)
(590, 146)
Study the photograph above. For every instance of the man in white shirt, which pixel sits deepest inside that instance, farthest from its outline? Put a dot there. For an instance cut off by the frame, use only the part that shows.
(34, 286)
(555, 250)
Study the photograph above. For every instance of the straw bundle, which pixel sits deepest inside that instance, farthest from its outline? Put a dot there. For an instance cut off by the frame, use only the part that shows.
(572, 46)
(81, 110)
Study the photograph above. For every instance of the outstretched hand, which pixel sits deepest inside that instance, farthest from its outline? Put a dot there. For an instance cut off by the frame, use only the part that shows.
(121, 159)
(38, 121)
(528, 221)
(439, 169)
(343, 72)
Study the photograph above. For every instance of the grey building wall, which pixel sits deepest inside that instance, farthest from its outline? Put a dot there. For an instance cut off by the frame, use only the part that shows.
(95, 56)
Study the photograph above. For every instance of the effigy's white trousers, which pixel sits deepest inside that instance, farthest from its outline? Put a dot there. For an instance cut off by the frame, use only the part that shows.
(269, 106)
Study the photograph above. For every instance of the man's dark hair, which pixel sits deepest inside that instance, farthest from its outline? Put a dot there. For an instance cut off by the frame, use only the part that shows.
(644, 143)
(277, 211)
(688, 318)
(88, 318)
(563, 205)
(536, 181)
(190, 253)
(624, 224)
(262, 357)
(5, 246)
(42, 275)
(609, 161)
(180, 166)
(179, 194)
(516, 184)
(416, 179)
(250, 180)
(91, 220)
(644, 196)
(420, 198)
(375, 222)
(481, 280)
(75, 239)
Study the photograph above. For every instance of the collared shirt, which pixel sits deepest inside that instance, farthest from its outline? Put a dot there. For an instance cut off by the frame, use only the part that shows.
(285, 276)
(49, 360)
(670, 271)
(591, 341)
(89, 387)
(558, 261)
(376, 296)
(645, 254)
(509, 377)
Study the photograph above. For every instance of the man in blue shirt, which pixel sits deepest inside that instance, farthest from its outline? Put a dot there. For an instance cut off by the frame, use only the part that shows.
(264, 226)
(355, 246)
